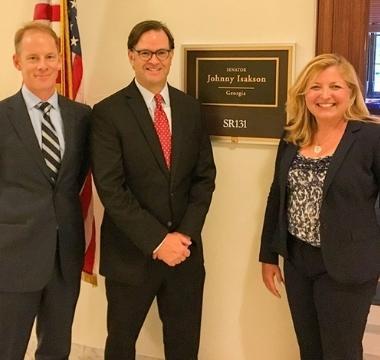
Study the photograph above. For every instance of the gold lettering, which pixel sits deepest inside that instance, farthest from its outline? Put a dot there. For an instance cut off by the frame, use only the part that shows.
(251, 79)
(236, 69)
(219, 79)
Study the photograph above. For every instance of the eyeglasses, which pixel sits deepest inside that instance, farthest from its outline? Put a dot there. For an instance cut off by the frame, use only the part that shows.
(161, 54)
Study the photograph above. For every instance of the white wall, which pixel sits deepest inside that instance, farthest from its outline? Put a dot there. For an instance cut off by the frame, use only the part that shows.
(241, 319)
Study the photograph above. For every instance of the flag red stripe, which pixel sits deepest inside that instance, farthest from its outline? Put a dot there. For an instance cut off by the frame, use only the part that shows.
(58, 80)
(77, 74)
(89, 259)
(46, 12)
(70, 79)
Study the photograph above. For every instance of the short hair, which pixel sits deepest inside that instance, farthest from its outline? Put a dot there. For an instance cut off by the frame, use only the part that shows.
(34, 26)
(302, 124)
(148, 25)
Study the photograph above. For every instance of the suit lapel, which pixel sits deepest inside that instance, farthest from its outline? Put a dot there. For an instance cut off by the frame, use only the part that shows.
(290, 152)
(177, 130)
(19, 117)
(346, 142)
(68, 123)
(139, 109)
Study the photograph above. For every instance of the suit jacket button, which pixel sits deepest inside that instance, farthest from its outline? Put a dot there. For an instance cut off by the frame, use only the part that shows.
(169, 223)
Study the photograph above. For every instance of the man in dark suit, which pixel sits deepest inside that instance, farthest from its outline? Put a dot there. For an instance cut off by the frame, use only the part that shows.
(43, 140)
(154, 172)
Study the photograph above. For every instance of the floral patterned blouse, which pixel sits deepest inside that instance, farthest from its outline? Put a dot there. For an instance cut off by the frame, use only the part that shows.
(305, 183)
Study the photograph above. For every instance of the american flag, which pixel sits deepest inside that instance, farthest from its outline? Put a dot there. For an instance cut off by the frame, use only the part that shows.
(62, 17)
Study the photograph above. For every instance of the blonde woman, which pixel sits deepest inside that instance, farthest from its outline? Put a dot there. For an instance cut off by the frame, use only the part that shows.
(320, 214)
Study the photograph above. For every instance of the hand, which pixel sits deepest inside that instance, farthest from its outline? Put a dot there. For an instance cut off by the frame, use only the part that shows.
(269, 273)
(174, 249)
(186, 240)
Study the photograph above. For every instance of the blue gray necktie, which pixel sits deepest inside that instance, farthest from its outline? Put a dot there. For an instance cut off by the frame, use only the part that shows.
(50, 143)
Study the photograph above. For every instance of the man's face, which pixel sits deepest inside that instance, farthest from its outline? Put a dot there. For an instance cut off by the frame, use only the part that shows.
(151, 74)
(39, 62)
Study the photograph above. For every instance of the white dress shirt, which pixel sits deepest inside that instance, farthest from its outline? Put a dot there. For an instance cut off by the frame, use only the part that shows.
(151, 103)
(36, 115)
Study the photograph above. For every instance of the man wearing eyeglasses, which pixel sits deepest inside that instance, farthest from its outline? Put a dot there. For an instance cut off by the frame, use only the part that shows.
(154, 172)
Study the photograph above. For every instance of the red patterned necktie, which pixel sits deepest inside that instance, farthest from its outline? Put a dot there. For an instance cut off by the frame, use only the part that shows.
(161, 125)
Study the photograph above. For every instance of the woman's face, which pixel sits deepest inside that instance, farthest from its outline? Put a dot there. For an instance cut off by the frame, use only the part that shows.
(328, 95)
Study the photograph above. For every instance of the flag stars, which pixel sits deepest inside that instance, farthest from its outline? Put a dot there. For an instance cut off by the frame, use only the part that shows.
(74, 41)
(73, 4)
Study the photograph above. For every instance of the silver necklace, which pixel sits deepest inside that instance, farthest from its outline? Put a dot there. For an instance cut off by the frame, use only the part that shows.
(317, 148)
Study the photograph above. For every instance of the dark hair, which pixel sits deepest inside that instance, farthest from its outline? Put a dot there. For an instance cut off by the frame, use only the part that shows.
(148, 25)
(34, 26)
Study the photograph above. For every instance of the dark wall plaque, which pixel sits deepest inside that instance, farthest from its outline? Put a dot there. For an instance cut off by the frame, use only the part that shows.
(242, 90)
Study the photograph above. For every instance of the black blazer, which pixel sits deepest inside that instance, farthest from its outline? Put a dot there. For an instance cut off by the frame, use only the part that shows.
(350, 235)
(38, 220)
(143, 201)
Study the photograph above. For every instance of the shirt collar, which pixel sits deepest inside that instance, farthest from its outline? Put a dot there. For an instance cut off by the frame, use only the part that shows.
(149, 96)
(31, 100)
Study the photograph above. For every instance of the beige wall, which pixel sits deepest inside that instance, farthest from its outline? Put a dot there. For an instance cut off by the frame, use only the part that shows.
(241, 320)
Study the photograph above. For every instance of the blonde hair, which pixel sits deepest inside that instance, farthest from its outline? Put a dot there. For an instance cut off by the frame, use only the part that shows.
(34, 26)
(302, 124)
